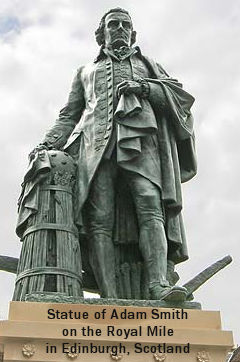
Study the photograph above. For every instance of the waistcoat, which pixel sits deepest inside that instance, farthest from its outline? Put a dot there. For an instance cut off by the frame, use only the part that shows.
(129, 68)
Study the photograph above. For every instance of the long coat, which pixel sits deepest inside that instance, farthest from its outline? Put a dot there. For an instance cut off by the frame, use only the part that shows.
(85, 124)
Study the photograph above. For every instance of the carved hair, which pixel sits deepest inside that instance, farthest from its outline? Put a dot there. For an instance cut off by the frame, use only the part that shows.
(99, 33)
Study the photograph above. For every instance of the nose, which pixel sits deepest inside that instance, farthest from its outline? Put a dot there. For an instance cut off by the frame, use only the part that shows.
(120, 25)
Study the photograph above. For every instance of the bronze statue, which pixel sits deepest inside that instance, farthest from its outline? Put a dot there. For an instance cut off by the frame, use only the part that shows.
(128, 126)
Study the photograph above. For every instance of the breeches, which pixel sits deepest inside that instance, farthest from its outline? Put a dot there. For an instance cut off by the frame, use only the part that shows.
(101, 200)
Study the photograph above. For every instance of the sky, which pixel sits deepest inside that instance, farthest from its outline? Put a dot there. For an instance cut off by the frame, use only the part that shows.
(42, 44)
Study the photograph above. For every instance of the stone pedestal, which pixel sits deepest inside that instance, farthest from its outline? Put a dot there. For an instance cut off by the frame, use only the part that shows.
(30, 335)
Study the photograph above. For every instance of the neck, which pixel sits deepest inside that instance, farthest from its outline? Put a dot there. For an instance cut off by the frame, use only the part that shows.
(117, 46)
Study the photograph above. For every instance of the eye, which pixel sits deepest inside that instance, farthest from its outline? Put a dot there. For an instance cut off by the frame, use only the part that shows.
(126, 24)
(113, 24)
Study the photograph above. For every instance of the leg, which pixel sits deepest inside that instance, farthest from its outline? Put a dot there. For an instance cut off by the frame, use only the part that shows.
(100, 220)
(153, 241)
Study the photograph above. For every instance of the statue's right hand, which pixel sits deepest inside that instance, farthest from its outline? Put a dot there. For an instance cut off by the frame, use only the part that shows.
(38, 148)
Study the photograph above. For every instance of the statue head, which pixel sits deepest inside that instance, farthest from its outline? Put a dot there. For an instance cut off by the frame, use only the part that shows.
(115, 29)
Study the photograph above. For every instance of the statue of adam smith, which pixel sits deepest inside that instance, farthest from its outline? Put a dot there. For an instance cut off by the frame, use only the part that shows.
(126, 118)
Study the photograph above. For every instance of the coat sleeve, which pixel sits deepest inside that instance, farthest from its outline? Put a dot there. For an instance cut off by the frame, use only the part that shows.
(69, 116)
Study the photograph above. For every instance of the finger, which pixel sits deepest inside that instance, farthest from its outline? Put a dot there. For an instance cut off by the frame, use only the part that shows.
(122, 90)
(122, 84)
(31, 156)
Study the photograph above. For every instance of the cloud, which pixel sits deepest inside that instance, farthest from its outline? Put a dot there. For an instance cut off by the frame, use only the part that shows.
(41, 47)
(9, 24)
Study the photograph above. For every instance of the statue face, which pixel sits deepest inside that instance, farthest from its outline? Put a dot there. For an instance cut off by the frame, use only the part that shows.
(118, 30)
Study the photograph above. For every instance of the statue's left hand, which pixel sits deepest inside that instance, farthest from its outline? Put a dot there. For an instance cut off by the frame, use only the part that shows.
(38, 148)
(128, 87)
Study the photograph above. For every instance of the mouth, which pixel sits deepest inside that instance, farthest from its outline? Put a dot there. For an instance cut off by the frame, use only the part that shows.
(120, 38)
(119, 43)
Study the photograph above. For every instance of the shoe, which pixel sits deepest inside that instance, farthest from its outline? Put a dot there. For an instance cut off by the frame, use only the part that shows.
(168, 294)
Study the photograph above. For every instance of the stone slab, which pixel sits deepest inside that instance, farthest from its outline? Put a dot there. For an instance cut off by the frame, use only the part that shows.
(28, 330)
(48, 297)
(32, 311)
